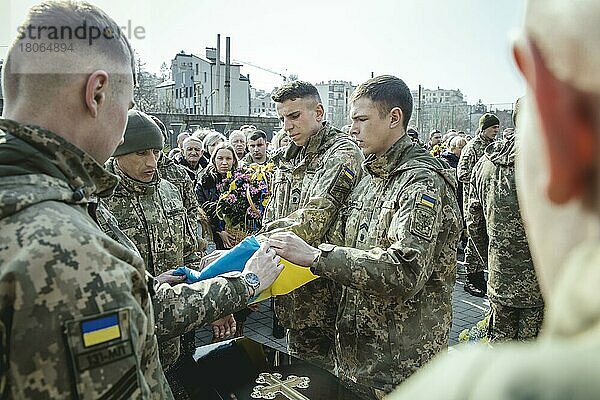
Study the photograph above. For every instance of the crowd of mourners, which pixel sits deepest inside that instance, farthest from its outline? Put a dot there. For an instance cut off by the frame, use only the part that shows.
(107, 236)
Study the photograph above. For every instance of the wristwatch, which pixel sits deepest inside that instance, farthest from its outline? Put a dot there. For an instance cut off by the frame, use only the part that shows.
(253, 282)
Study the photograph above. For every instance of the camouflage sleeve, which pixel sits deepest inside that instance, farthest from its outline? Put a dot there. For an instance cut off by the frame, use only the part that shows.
(190, 202)
(191, 257)
(338, 176)
(72, 300)
(465, 164)
(406, 265)
(474, 216)
(183, 308)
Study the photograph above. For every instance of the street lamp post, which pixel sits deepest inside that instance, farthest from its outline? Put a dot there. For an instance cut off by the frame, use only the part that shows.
(206, 98)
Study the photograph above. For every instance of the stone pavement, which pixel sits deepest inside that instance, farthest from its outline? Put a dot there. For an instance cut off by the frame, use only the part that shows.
(467, 311)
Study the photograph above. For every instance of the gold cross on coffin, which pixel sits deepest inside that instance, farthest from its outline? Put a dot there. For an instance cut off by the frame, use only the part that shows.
(271, 384)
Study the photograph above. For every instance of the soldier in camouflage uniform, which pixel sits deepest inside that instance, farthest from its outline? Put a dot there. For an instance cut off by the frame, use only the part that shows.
(182, 308)
(313, 180)
(557, 168)
(393, 248)
(489, 125)
(76, 320)
(150, 212)
(494, 224)
(178, 176)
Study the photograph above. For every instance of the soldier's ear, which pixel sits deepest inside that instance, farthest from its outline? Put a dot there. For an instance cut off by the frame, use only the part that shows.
(567, 120)
(95, 92)
(396, 118)
(319, 110)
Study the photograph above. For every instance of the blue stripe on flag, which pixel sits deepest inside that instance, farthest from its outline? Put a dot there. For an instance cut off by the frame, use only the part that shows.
(99, 323)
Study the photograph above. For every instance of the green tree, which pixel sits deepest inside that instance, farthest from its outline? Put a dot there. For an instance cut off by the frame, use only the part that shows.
(145, 93)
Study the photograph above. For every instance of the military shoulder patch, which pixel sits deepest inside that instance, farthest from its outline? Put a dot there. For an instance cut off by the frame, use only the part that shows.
(427, 200)
(99, 340)
(100, 347)
(342, 184)
(100, 330)
(423, 216)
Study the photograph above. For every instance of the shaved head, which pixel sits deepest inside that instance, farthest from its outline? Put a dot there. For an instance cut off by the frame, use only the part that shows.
(82, 88)
(36, 75)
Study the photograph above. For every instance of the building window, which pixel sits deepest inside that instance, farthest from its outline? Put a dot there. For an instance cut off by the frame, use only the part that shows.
(197, 69)
(204, 76)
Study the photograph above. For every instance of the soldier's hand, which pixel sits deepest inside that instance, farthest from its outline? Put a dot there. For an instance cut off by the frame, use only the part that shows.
(264, 263)
(209, 258)
(292, 248)
(224, 327)
(168, 277)
(227, 238)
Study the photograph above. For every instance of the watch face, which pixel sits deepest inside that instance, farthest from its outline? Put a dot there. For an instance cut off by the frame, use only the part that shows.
(252, 279)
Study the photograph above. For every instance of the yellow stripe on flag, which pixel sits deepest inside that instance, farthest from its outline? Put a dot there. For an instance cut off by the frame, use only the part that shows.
(291, 278)
(427, 203)
(101, 335)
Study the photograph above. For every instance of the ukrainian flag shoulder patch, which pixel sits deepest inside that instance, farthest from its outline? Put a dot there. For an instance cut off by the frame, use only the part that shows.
(100, 330)
(349, 173)
(427, 201)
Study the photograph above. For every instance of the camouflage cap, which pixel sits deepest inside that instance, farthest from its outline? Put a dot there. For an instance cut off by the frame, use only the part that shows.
(141, 133)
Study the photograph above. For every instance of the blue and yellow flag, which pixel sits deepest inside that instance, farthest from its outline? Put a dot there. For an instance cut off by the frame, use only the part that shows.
(100, 330)
(428, 201)
(292, 277)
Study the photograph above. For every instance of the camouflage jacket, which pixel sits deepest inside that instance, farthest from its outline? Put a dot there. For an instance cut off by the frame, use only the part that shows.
(183, 308)
(494, 223)
(153, 217)
(562, 363)
(397, 261)
(178, 176)
(76, 320)
(471, 153)
(309, 187)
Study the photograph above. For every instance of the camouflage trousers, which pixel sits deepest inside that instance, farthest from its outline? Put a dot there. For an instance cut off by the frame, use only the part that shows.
(180, 375)
(510, 323)
(473, 263)
(315, 345)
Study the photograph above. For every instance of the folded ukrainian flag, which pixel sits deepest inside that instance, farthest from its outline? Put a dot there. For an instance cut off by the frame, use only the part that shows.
(292, 277)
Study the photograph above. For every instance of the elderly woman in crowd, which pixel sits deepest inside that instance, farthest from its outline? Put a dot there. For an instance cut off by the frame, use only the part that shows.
(211, 140)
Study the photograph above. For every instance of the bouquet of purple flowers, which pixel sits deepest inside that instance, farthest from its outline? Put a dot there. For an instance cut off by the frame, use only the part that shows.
(245, 193)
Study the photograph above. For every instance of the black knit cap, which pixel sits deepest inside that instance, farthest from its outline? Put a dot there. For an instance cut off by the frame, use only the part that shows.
(488, 120)
(141, 134)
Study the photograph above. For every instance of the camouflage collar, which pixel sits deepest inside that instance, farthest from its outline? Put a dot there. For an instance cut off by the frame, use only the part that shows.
(85, 176)
(383, 166)
(132, 185)
(315, 141)
(485, 139)
(314, 145)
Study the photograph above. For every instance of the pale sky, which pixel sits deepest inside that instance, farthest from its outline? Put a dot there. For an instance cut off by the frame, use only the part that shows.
(453, 44)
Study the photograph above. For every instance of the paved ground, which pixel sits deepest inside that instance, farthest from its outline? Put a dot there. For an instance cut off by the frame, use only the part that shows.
(467, 311)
